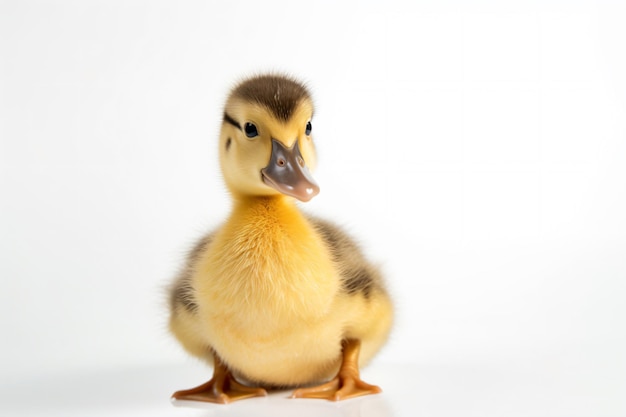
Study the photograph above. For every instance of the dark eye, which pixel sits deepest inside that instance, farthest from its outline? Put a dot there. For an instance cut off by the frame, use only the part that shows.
(307, 131)
(250, 130)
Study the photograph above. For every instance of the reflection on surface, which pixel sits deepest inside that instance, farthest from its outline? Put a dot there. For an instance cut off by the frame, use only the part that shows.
(486, 388)
(279, 404)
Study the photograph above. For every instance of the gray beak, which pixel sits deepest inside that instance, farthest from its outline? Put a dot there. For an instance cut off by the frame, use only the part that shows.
(288, 173)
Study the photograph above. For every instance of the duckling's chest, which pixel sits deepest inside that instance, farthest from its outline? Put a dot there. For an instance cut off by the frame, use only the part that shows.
(267, 265)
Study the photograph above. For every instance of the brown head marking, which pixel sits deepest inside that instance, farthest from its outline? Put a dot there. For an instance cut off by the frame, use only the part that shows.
(279, 94)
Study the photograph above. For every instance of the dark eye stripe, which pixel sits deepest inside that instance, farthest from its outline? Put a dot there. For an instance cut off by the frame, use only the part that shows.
(231, 121)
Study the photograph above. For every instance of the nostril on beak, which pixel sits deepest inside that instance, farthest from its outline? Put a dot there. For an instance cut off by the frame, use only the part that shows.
(281, 162)
(300, 162)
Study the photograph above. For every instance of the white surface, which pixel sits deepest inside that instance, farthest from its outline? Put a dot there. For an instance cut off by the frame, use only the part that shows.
(477, 149)
(537, 387)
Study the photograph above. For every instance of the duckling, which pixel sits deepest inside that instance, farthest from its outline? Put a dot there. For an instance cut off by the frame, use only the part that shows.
(275, 298)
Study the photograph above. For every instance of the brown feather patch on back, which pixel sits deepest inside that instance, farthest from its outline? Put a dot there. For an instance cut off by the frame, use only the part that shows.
(357, 274)
(182, 292)
(279, 94)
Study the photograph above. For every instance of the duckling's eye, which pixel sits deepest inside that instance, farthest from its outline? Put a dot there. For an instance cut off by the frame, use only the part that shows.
(307, 131)
(251, 130)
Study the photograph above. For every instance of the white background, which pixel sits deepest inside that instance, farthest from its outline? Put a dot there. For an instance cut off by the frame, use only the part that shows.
(477, 150)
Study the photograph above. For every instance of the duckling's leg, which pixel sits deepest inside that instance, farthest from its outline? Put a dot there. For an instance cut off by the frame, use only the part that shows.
(347, 383)
(222, 388)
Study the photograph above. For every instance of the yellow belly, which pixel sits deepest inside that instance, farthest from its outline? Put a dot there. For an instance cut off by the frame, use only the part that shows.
(294, 355)
(265, 291)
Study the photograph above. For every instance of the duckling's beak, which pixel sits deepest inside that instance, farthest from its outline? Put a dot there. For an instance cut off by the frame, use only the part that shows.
(288, 174)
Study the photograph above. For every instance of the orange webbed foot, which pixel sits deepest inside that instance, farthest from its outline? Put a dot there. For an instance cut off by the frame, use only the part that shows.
(339, 388)
(221, 389)
(347, 383)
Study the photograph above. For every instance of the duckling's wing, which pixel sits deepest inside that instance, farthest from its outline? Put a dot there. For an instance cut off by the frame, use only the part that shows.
(181, 292)
(358, 275)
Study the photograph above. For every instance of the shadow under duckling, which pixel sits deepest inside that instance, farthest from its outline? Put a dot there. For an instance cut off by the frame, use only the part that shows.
(276, 298)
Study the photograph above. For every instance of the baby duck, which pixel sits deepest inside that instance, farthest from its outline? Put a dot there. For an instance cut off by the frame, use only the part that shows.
(275, 298)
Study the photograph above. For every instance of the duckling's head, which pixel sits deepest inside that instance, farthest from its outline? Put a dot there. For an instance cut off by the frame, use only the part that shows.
(266, 147)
